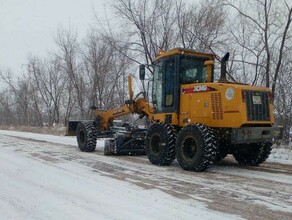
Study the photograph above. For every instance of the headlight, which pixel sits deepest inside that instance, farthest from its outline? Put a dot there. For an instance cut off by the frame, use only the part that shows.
(229, 94)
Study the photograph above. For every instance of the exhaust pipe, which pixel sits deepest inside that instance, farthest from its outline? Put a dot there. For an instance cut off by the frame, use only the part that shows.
(223, 68)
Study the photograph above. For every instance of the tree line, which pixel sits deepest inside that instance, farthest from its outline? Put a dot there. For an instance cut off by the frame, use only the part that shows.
(66, 83)
(92, 71)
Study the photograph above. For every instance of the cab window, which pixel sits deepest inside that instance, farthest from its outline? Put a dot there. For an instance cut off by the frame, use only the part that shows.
(192, 70)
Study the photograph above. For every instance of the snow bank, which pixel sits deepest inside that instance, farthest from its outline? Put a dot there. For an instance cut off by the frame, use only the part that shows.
(281, 154)
(66, 140)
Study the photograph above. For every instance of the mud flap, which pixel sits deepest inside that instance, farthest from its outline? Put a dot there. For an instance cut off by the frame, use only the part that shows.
(71, 128)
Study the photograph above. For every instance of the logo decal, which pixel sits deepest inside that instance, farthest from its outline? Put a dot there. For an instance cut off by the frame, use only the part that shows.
(195, 89)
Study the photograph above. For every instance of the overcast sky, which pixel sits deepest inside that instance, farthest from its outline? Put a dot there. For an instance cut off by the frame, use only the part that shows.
(28, 27)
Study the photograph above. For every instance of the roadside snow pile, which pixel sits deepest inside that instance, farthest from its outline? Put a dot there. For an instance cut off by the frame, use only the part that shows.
(66, 140)
(281, 154)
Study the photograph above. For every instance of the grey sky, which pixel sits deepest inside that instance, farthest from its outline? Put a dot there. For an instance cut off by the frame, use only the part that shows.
(28, 26)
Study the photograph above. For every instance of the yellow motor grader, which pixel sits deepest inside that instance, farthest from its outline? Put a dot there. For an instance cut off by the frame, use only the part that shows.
(193, 118)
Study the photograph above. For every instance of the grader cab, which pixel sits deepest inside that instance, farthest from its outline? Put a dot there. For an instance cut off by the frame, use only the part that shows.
(193, 118)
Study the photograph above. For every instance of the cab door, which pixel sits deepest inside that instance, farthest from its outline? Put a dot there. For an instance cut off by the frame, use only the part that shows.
(166, 90)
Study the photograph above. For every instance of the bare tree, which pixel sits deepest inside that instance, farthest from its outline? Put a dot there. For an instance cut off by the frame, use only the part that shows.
(20, 91)
(105, 71)
(265, 30)
(68, 56)
(48, 82)
(145, 27)
(7, 108)
(201, 26)
(283, 103)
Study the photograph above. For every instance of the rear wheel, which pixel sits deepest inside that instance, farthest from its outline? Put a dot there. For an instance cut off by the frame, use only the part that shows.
(160, 144)
(196, 147)
(86, 136)
(253, 154)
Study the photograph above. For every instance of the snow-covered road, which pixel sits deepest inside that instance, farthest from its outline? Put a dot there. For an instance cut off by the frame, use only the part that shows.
(47, 177)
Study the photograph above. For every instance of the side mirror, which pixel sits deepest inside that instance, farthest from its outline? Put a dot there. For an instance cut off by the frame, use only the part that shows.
(142, 72)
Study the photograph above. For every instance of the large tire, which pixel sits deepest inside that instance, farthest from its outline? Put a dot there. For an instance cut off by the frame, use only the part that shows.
(86, 136)
(160, 144)
(196, 147)
(222, 151)
(253, 154)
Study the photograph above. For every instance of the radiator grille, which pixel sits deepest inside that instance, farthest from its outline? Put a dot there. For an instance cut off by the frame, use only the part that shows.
(257, 105)
(217, 111)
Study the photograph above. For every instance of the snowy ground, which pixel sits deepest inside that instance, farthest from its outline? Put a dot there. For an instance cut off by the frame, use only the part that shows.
(281, 155)
(47, 177)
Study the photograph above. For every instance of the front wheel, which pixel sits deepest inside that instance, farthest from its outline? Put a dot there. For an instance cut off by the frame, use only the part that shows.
(196, 147)
(159, 144)
(86, 136)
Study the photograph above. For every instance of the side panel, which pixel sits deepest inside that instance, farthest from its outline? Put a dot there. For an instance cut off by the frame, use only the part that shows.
(219, 105)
